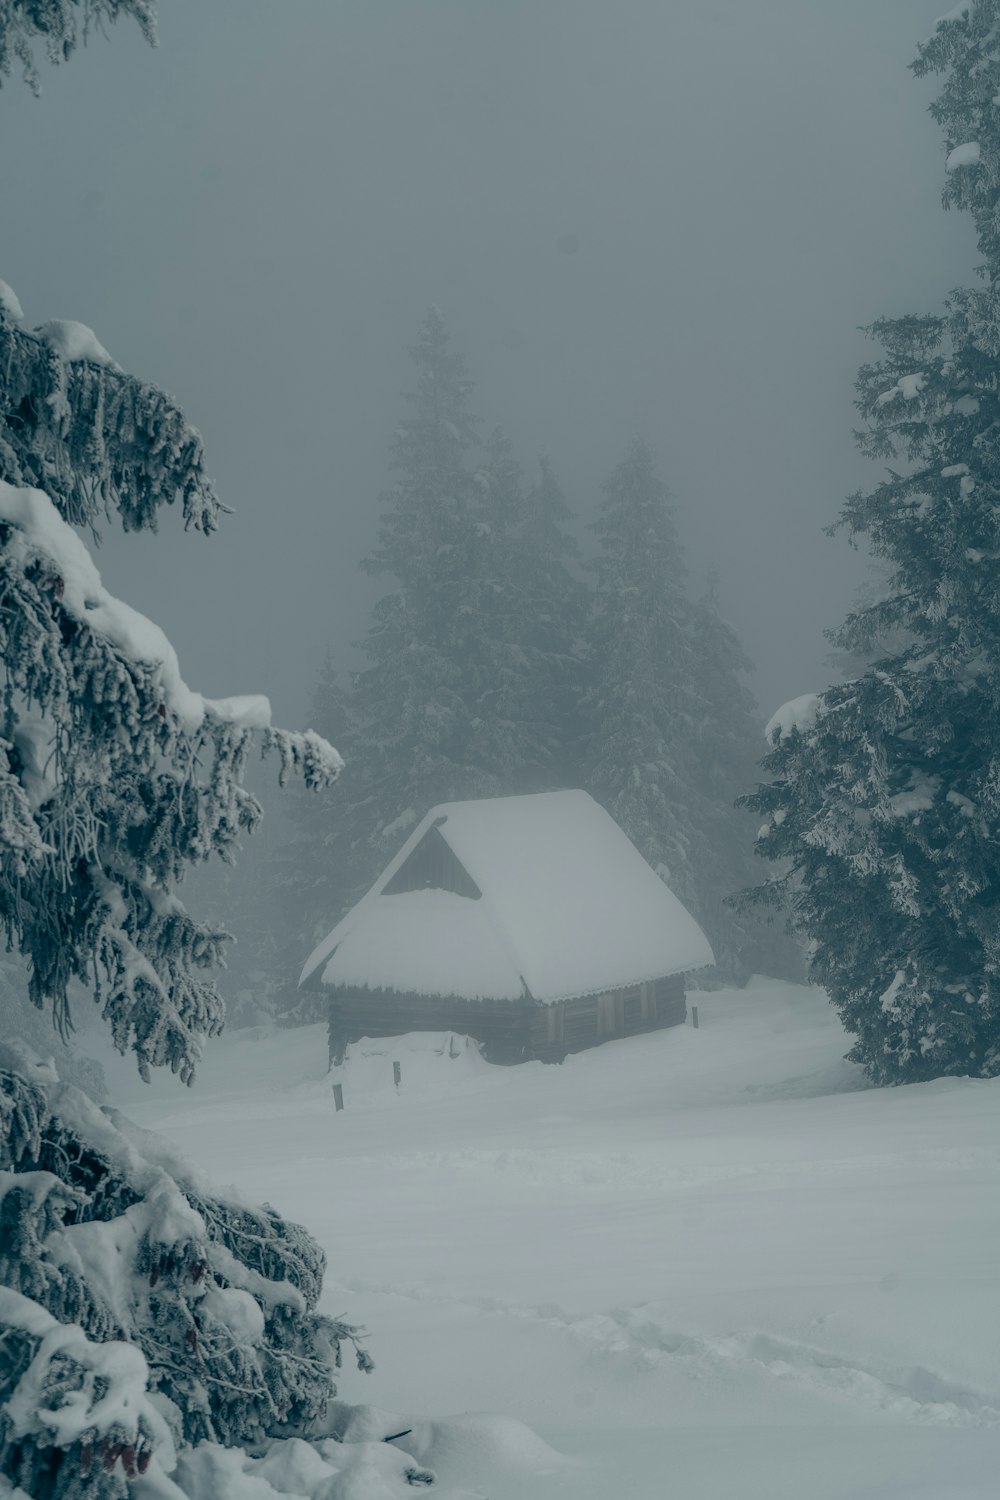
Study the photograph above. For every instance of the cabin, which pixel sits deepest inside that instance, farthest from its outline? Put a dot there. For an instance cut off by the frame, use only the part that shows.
(529, 923)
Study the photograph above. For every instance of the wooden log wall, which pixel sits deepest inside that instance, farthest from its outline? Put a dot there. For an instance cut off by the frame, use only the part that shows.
(502, 1026)
(510, 1031)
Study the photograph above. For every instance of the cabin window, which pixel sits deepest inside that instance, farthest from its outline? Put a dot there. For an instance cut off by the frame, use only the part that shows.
(432, 866)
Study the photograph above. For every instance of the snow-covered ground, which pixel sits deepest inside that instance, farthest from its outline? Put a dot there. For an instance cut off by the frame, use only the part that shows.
(707, 1262)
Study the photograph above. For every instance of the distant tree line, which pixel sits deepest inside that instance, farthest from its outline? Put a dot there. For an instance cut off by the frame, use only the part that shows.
(498, 662)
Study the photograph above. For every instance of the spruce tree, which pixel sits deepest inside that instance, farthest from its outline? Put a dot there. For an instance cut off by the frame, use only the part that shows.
(555, 621)
(141, 1317)
(884, 797)
(641, 705)
(525, 613)
(414, 717)
(672, 722)
(116, 776)
(471, 657)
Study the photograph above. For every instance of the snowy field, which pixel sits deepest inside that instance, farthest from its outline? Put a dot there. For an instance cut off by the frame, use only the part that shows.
(704, 1263)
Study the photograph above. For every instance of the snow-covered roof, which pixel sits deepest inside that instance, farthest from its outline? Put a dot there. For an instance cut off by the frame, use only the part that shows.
(568, 907)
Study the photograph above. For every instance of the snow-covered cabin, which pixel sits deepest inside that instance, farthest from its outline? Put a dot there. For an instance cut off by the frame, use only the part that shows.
(531, 923)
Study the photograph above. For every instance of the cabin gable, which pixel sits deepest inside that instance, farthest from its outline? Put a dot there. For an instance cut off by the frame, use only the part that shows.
(432, 866)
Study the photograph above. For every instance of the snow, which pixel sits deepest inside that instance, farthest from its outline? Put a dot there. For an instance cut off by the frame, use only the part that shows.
(907, 386)
(45, 535)
(110, 1394)
(966, 155)
(799, 714)
(426, 942)
(568, 907)
(708, 1263)
(957, 13)
(238, 1310)
(9, 301)
(34, 737)
(75, 341)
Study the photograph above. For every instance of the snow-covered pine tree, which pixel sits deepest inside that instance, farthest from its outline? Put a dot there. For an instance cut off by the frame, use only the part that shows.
(140, 1315)
(115, 775)
(520, 664)
(472, 672)
(556, 612)
(641, 705)
(884, 797)
(413, 718)
(671, 719)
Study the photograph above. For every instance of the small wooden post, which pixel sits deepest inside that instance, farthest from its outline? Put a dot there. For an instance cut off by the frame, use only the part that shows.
(338, 1097)
(694, 1017)
(397, 1073)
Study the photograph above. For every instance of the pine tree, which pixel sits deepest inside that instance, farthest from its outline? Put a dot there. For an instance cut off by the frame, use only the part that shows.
(885, 791)
(115, 775)
(524, 612)
(471, 656)
(555, 619)
(414, 720)
(642, 706)
(673, 731)
(139, 1315)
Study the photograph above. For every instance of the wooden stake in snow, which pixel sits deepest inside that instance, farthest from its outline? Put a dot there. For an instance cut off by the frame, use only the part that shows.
(338, 1097)
(694, 1017)
(397, 1073)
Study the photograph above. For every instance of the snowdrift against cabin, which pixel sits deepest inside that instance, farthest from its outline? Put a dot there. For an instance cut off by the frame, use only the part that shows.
(532, 903)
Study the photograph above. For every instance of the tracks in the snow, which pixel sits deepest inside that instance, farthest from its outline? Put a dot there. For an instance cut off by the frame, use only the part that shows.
(636, 1338)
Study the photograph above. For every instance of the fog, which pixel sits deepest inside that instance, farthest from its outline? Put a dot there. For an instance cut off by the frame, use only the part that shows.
(635, 216)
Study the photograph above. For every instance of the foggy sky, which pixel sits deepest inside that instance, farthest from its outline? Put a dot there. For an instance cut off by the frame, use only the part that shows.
(635, 215)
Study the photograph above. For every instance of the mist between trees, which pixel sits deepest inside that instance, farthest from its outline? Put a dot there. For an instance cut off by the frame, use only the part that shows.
(151, 1326)
(500, 661)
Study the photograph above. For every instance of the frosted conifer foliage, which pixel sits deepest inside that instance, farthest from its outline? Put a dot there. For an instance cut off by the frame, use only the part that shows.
(145, 1319)
(59, 26)
(115, 776)
(641, 704)
(884, 797)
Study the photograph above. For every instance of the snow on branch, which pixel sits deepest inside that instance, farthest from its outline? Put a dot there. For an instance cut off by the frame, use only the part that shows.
(91, 436)
(120, 1267)
(42, 539)
(116, 777)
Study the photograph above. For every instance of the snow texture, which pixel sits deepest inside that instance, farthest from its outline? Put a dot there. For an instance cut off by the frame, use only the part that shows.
(799, 714)
(705, 1264)
(47, 538)
(569, 907)
(966, 155)
(75, 341)
(110, 1398)
(957, 13)
(907, 386)
(9, 301)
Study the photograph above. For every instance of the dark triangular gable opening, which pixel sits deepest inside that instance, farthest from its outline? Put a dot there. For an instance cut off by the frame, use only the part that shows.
(432, 866)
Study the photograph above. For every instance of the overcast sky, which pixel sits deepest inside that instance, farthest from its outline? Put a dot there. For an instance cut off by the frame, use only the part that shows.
(635, 214)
